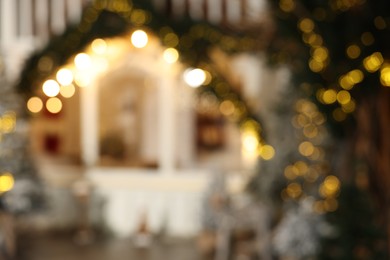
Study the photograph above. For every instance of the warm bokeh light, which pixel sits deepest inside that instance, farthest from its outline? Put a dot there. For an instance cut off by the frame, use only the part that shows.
(320, 54)
(82, 61)
(227, 108)
(306, 25)
(99, 46)
(353, 51)
(343, 97)
(385, 76)
(330, 187)
(373, 62)
(64, 76)
(6, 182)
(329, 96)
(250, 142)
(171, 55)
(7, 122)
(51, 88)
(349, 107)
(267, 152)
(139, 39)
(34, 104)
(54, 105)
(306, 148)
(339, 115)
(194, 77)
(67, 91)
(83, 79)
(287, 5)
(356, 76)
(294, 190)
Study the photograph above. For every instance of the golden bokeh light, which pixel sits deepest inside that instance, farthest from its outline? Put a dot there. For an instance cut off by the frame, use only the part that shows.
(67, 91)
(171, 55)
(349, 107)
(367, 38)
(250, 142)
(7, 122)
(294, 190)
(346, 82)
(373, 62)
(330, 204)
(343, 97)
(82, 61)
(139, 39)
(83, 80)
(385, 76)
(64, 76)
(306, 25)
(287, 5)
(194, 77)
(291, 172)
(316, 66)
(227, 108)
(306, 148)
(51, 88)
(6, 182)
(353, 51)
(99, 46)
(356, 76)
(34, 104)
(320, 54)
(339, 115)
(267, 152)
(329, 96)
(330, 187)
(54, 105)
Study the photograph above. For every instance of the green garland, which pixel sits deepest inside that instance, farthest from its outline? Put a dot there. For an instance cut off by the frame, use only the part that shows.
(103, 19)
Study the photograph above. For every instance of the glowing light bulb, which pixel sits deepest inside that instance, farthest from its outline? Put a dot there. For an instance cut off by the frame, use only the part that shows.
(51, 88)
(139, 39)
(194, 77)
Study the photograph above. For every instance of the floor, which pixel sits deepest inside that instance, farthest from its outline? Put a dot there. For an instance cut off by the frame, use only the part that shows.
(64, 247)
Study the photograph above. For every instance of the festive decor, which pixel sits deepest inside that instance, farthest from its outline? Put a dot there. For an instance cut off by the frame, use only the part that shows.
(338, 51)
(187, 40)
